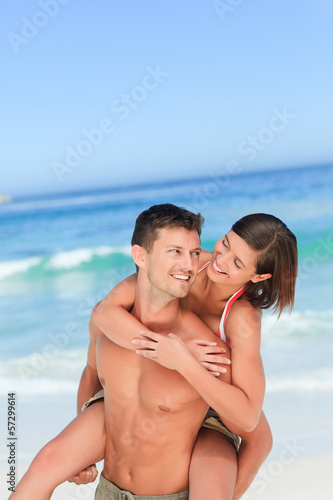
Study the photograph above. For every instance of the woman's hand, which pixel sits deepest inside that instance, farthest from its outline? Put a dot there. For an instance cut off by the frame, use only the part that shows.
(209, 355)
(169, 351)
(172, 352)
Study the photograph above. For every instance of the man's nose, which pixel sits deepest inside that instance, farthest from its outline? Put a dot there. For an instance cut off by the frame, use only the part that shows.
(187, 262)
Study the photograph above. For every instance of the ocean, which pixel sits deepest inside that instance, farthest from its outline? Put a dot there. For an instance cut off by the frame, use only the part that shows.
(61, 254)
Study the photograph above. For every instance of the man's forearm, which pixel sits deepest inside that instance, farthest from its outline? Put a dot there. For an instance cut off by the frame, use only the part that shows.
(89, 385)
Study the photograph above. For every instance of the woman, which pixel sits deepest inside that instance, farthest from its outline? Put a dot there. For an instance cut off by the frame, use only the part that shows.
(256, 264)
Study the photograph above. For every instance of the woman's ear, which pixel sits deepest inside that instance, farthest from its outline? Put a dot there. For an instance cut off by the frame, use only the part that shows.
(139, 254)
(261, 277)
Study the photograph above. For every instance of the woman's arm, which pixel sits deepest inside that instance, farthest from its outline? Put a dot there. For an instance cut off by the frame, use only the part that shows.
(241, 402)
(113, 312)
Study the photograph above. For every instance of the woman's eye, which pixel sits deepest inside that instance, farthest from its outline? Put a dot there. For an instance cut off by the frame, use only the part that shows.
(237, 265)
(224, 244)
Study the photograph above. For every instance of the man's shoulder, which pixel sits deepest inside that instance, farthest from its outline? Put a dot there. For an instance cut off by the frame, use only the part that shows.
(94, 331)
(195, 328)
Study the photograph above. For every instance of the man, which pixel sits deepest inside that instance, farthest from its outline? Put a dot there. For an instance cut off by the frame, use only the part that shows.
(152, 414)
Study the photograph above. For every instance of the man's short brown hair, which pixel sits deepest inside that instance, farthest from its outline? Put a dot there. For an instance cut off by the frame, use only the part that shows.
(160, 216)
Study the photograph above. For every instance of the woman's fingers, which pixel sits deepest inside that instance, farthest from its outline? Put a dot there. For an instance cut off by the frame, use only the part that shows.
(214, 368)
(211, 346)
(203, 342)
(147, 353)
(151, 335)
(217, 359)
(144, 343)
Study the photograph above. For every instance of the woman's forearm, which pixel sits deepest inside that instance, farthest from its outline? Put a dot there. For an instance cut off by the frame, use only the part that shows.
(230, 402)
(113, 318)
(118, 325)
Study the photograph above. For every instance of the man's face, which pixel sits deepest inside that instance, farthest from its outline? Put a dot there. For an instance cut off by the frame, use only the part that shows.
(173, 262)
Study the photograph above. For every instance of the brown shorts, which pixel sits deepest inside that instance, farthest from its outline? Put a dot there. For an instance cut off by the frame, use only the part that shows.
(109, 491)
(213, 421)
(99, 395)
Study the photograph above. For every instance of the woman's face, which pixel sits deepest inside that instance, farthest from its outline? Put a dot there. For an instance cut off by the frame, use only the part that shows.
(233, 261)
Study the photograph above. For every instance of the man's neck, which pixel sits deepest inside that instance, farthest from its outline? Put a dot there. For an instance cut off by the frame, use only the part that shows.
(154, 310)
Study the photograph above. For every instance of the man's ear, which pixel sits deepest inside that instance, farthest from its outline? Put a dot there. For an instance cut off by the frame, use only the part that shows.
(261, 277)
(139, 255)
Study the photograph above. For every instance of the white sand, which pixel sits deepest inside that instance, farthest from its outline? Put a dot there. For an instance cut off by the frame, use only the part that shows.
(302, 479)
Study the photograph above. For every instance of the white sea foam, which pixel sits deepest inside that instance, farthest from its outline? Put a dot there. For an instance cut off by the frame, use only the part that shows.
(73, 258)
(299, 323)
(61, 260)
(37, 386)
(312, 380)
(50, 371)
(17, 266)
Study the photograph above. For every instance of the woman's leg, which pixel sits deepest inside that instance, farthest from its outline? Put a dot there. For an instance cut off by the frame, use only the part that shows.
(213, 468)
(80, 444)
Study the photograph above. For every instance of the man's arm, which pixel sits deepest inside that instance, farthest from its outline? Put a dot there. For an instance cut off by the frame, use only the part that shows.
(88, 387)
(89, 383)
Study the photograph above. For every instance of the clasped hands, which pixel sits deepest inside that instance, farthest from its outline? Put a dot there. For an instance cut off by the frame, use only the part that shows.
(172, 352)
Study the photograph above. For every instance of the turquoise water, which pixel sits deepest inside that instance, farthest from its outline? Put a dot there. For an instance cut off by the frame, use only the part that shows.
(61, 254)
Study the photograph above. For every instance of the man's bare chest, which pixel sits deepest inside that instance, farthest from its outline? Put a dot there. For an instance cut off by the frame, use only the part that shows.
(132, 380)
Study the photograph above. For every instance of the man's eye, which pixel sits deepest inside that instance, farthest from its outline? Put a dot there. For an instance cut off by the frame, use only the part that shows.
(196, 254)
(174, 251)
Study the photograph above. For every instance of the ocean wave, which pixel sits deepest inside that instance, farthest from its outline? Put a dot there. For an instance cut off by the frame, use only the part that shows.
(18, 266)
(313, 380)
(54, 371)
(299, 323)
(62, 260)
(37, 386)
(74, 258)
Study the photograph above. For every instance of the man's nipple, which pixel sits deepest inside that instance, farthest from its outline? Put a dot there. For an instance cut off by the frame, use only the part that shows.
(164, 408)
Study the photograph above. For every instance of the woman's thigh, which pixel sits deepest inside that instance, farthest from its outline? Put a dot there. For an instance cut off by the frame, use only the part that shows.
(213, 468)
(80, 444)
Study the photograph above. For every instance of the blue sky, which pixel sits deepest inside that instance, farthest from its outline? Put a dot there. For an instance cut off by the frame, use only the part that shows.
(109, 93)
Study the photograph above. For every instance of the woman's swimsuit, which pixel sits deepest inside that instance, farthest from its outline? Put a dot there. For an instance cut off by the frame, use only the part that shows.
(226, 310)
(212, 419)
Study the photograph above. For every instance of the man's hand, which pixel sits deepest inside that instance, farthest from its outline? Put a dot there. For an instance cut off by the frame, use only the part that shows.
(86, 476)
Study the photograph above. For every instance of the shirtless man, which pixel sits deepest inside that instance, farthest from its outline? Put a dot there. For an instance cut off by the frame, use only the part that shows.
(152, 413)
